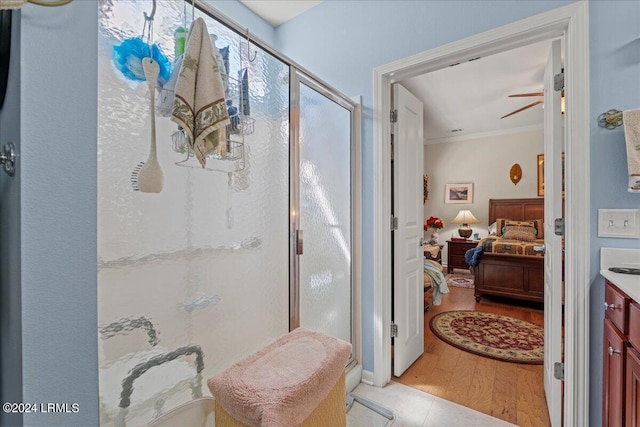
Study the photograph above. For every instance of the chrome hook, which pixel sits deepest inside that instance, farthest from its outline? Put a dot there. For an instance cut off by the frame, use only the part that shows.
(8, 158)
(255, 53)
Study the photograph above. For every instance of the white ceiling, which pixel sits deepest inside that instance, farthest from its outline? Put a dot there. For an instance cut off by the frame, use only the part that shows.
(473, 96)
(278, 12)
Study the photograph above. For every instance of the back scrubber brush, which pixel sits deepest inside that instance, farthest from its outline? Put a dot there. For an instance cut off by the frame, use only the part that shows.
(147, 176)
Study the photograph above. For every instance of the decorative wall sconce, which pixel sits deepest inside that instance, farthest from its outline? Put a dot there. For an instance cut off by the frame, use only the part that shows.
(515, 174)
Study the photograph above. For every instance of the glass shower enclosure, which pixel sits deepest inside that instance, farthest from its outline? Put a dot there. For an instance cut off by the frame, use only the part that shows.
(224, 259)
(322, 227)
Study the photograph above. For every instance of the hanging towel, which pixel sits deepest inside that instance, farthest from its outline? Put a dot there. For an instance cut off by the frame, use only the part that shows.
(12, 4)
(199, 106)
(631, 119)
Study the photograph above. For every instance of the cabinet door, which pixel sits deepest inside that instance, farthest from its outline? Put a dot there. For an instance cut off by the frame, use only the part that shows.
(613, 376)
(633, 388)
(618, 307)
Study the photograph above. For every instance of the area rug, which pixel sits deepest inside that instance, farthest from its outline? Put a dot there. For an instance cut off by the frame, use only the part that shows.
(491, 335)
(460, 280)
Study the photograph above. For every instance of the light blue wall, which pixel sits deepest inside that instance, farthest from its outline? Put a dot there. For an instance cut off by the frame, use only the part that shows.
(58, 168)
(615, 83)
(342, 41)
(10, 313)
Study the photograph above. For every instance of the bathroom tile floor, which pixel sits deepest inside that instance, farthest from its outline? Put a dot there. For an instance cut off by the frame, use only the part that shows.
(414, 408)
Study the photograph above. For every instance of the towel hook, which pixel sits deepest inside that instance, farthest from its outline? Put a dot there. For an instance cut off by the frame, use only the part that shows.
(8, 158)
(611, 119)
(148, 28)
(255, 53)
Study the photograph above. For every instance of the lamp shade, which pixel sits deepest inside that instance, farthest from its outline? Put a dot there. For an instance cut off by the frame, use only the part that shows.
(465, 217)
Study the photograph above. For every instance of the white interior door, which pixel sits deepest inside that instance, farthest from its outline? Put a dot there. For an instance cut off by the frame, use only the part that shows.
(408, 280)
(553, 243)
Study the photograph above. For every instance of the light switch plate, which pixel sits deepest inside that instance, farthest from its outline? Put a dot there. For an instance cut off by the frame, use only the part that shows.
(623, 223)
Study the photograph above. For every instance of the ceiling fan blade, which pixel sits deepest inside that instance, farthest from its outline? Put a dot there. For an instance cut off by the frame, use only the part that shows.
(519, 95)
(533, 104)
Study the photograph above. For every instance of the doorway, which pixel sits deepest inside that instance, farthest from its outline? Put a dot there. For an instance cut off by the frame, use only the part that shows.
(476, 92)
(572, 22)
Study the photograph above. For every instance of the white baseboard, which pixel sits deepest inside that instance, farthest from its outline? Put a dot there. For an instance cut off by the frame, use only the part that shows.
(367, 377)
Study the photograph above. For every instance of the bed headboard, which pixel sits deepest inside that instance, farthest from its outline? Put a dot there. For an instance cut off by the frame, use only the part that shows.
(516, 209)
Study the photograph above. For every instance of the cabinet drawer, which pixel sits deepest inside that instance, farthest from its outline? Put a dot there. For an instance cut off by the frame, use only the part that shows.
(617, 307)
(457, 260)
(462, 248)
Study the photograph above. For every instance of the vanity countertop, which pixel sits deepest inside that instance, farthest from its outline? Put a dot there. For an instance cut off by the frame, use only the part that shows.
(615, 257)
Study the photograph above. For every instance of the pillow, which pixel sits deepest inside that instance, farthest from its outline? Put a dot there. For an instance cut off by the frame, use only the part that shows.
(522, 232)
(537, 225)
(500, 226)
(492, 229)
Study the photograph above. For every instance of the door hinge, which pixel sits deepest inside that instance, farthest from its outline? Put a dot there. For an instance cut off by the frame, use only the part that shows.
(394, 222)
(299, 243)
(559, 227)
(558, 371)
(394, 116)
(558, 81)
(394, 330)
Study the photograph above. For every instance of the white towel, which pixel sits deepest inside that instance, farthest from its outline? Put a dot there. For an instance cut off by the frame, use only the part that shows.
(631, 119)
(202, 113)
(12, 4)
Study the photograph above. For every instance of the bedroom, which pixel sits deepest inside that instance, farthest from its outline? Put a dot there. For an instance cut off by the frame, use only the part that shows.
(468, 144)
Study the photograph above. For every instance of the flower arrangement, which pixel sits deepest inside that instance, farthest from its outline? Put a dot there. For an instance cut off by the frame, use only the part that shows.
(433, 222)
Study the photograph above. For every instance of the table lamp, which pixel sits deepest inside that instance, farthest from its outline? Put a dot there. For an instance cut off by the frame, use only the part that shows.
(465, 217)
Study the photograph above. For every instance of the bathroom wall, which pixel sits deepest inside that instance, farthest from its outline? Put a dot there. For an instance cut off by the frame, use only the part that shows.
(485, 162)
(614, 70)
(57, 161)
(203, 265)
(10, 210)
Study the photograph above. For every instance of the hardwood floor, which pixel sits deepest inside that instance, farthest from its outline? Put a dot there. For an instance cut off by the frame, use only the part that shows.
(510, 391)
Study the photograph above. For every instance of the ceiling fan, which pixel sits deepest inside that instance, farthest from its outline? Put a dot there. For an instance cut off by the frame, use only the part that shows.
(521, 95)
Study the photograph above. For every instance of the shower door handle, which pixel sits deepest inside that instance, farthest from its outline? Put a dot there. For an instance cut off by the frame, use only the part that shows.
(299, 242)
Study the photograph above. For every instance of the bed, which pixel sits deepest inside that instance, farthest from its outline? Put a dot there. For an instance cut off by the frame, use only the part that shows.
(516, 270)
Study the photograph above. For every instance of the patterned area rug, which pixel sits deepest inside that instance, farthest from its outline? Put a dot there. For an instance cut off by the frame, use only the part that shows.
(464, 280)
(491, 335)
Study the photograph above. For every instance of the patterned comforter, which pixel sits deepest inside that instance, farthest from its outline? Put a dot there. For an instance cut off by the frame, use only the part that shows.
(498, 245)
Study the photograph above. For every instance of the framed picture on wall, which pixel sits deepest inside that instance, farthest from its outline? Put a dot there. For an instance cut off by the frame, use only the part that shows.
(541, 174)
(458, 193)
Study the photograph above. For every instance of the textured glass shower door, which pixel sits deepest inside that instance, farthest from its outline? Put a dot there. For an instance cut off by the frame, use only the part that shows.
(325, 211)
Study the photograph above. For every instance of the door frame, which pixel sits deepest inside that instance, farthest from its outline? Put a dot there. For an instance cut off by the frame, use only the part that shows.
(572, 22)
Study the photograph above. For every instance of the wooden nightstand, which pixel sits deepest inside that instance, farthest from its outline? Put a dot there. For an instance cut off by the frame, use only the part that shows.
(456, 254)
